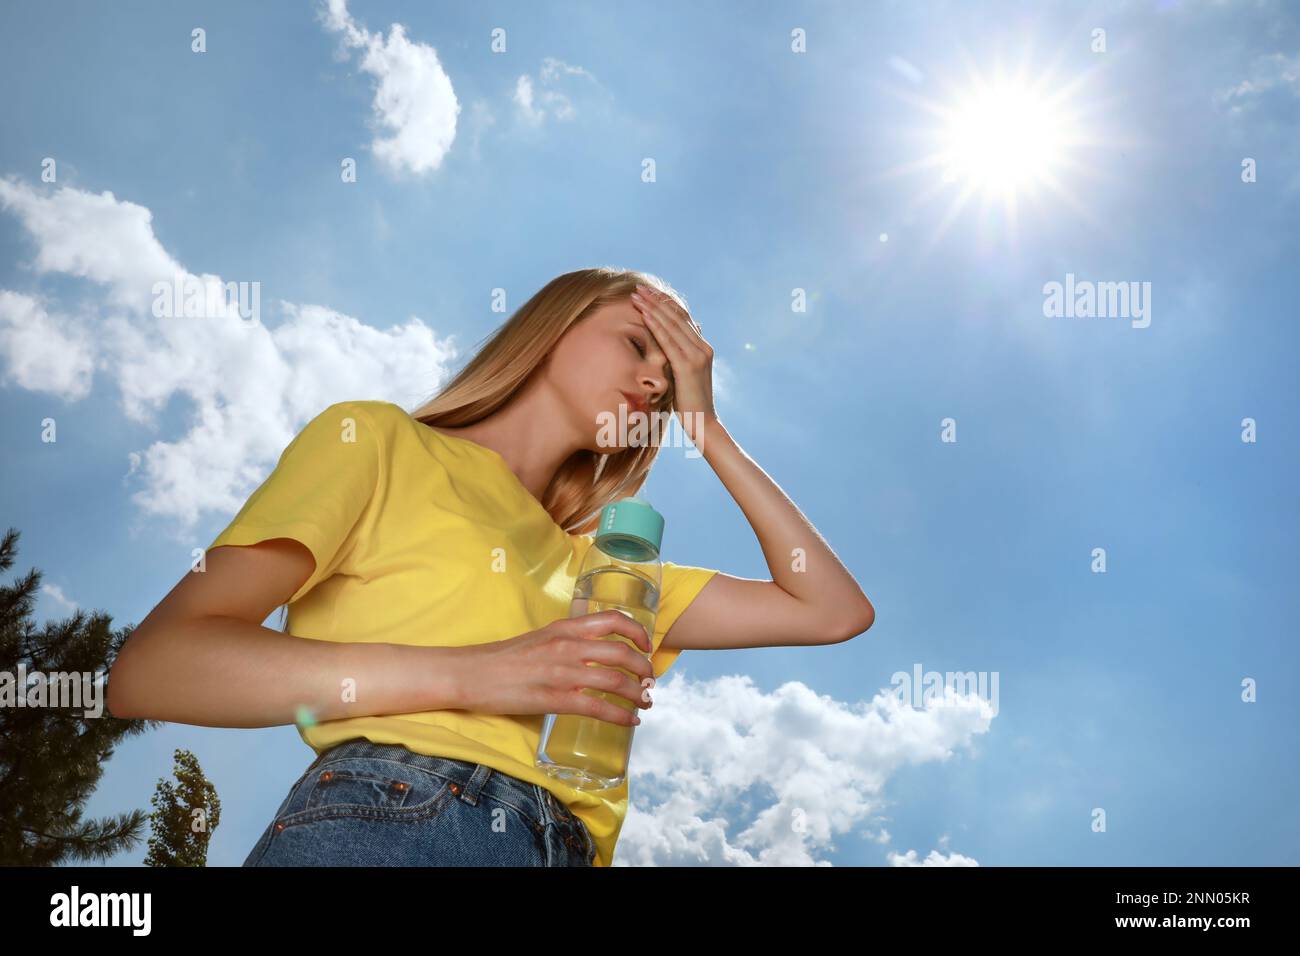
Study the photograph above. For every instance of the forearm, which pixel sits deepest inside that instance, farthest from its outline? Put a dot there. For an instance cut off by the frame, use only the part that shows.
(799, 559)
(226, 672)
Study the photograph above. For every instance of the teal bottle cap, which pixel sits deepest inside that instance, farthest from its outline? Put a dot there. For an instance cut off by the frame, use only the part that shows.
(630, 529)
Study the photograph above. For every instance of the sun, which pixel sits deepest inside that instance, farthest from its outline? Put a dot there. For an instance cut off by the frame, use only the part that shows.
(1002, 138)
(1007, 139)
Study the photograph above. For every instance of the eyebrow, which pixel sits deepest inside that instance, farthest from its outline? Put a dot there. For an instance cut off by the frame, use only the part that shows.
(668, 371)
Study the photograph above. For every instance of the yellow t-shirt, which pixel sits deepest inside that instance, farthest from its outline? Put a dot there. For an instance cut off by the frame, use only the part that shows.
(410, 529)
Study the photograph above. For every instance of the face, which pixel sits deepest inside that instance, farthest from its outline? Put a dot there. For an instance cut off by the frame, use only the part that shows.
(597, 360)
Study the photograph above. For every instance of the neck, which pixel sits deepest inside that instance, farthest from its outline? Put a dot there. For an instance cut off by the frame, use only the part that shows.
(531, 433)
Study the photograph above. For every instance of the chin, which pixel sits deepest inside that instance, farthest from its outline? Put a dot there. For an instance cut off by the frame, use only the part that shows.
(613, 449)
(611, 427)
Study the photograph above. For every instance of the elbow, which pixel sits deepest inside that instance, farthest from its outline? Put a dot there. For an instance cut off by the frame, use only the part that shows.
(118, 695)
(859, 623)
(115, 697)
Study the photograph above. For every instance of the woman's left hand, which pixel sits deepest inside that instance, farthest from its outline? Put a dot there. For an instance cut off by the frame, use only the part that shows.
(689, 355)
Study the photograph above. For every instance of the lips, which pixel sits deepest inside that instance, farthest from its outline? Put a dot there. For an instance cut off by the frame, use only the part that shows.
(635, 403)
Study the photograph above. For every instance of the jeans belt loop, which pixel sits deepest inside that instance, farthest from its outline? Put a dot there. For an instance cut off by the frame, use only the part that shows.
(477, 780)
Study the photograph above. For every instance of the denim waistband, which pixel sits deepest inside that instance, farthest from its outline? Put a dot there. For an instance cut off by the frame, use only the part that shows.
(471, 779)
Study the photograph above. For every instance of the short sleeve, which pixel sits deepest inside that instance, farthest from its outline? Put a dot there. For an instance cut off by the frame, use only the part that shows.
(680, 586)
(318, 492)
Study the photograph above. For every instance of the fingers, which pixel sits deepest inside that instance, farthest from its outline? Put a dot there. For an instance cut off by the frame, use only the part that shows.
(603, 623)
(614, 653)
(668, 337)
(616, 687)
(616, 675)
(666, 318)
(591, 705)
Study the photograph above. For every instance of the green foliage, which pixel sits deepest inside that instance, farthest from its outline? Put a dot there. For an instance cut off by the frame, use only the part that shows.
(52, 755)
(184, 816)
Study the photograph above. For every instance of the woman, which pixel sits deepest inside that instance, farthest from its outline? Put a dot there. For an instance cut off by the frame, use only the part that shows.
(427, 560)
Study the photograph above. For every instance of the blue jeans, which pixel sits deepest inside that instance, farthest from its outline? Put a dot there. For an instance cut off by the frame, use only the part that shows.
(366, 804)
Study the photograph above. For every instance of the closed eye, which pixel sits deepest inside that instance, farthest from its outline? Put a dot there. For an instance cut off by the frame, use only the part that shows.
(639, 347)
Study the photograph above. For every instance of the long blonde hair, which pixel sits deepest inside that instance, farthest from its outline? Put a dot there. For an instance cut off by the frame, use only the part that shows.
(587, 480)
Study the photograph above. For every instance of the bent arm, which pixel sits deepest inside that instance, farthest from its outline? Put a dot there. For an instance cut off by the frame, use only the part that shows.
(201, 657)
(226, 672)
(811, 599)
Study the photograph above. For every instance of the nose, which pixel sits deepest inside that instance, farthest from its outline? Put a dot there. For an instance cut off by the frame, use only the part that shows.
(652, 388)
(654, 380)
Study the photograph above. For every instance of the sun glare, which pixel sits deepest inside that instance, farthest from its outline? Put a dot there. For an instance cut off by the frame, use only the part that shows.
(1002, 139)
(1007, 140)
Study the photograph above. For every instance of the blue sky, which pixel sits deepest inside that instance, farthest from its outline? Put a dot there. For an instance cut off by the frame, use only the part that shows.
(775, 170)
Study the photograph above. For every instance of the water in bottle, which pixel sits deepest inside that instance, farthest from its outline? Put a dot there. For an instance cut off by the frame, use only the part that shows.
(620, 572)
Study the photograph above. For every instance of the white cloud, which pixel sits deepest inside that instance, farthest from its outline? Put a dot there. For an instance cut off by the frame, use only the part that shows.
(42, 350)
(56, 592)
(537, 99)
(710, 750)
(1269, 71)
(93, 236)
(552, 69)
(524, 100)
(252, 387)
(415, 104)
(934, 859)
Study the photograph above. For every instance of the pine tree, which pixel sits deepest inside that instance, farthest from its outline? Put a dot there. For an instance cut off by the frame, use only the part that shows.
(53, 753)
(184, 816)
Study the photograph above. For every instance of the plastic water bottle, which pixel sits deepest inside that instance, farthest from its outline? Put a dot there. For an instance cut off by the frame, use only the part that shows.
(622, 572)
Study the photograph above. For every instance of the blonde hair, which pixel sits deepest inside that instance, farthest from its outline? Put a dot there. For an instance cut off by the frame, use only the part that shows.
(587, 480)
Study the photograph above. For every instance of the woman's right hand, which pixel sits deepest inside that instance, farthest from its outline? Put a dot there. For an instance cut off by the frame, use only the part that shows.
(545, 671)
